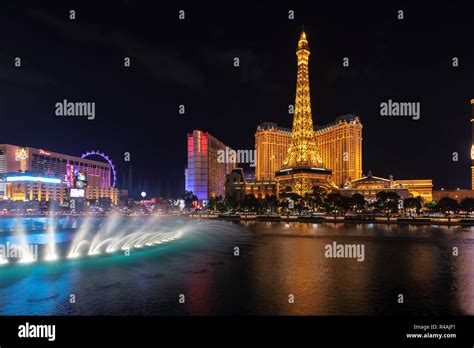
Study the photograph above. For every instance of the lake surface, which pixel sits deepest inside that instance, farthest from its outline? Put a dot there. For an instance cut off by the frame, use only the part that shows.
(276, 261)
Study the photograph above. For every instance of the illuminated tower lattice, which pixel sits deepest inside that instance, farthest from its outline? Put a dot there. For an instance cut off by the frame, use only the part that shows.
(303, 168)
(303, 151)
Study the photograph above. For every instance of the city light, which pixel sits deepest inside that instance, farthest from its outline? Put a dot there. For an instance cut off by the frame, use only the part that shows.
(32, 179)
(43, 152)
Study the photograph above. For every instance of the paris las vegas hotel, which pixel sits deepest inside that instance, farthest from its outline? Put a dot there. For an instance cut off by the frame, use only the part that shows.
(338, 149)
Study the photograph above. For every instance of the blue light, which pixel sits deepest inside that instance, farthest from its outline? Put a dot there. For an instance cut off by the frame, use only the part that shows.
(32, 178)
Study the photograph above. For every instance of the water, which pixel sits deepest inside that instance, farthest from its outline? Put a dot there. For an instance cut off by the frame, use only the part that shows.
(276, 260)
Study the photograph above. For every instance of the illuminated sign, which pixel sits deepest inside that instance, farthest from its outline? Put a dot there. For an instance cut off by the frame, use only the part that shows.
(81, 180)
(42, 152)
(32, 178)
(81, 176)
(21, 154)
(77, 193)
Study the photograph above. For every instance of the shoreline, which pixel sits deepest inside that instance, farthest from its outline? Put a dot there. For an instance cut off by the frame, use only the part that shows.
(428, 221)
(342, 219)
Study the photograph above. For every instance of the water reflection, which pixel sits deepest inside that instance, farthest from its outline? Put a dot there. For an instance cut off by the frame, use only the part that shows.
(276, 260)
(415, 261)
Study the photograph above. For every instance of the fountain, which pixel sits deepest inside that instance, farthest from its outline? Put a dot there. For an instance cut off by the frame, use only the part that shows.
(51, 254)
(23, 249)
(69, 238)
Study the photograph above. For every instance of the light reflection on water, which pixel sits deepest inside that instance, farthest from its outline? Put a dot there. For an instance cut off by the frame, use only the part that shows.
(276, 259)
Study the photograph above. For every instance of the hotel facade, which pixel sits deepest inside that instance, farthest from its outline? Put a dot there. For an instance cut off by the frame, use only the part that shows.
(339, 144)
(369, 185)
(329, 156)
(40, 175)
(205, 175)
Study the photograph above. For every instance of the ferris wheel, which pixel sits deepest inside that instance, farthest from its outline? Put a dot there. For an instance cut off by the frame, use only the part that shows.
(107, 159)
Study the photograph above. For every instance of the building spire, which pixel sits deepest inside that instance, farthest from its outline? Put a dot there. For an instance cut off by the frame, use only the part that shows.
(303, 43)
(303, 168)
(303, 151)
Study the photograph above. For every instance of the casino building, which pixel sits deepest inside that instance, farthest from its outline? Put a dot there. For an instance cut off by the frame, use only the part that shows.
(271, 145)
(369, 185)
(35, 174)
(204, 175)
(339, 144)
(329, 156)
(237, 186)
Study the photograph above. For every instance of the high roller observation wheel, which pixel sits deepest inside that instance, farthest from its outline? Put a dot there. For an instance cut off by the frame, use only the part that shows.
(107, 159)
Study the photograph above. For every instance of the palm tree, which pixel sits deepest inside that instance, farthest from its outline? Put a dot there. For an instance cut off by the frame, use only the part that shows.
(467, 204)
(318, 195)
(189, 198)
(446, 205)
(387, 202)
(412, 203)
(270, 203)
(336, 203)
(357, 202)
(250, 202)
(216, 203)
(230, 203)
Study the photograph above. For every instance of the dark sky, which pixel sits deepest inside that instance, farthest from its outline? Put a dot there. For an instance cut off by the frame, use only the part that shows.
(190, 62)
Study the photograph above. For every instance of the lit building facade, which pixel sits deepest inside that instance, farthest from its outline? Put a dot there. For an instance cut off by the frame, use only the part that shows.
(26, 187)
(340, 146)
(271, 145)
(419, 188)
(457, 194)
(237, 186)
(46, 164)
(368, 186)
(205, 175)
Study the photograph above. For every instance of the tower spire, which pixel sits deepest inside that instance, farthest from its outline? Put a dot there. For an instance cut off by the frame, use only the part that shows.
(303, 151)
(303, 168)
(303, 43)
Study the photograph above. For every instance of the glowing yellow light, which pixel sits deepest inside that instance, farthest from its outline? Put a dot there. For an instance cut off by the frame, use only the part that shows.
(303, 151)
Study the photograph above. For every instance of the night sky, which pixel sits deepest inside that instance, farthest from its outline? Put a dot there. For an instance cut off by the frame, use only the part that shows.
(190, 62)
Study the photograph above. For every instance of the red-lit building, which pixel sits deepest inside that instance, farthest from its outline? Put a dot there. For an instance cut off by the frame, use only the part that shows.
(205, 173)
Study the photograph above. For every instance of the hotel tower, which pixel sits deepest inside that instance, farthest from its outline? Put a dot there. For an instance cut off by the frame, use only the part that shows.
(339, 144)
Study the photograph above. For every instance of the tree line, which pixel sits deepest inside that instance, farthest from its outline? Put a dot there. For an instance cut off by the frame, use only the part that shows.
(319, 200)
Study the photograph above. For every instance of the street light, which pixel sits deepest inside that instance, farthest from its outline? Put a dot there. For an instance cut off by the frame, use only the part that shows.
(143, 194)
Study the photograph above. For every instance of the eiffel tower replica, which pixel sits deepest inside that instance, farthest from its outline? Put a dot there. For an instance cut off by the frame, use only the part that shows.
(303, 168)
